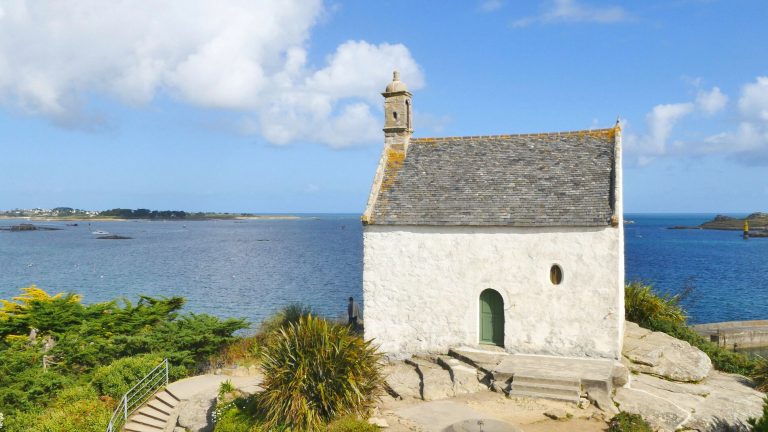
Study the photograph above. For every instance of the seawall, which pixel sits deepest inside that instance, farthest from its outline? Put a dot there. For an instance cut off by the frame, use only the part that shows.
(736, 334)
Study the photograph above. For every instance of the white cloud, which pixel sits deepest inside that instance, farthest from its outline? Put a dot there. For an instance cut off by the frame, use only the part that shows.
(659, 123)
(491, 5)
(746, 142)
(573, 11)
(711, 101)
(247, 56)
(753, 102)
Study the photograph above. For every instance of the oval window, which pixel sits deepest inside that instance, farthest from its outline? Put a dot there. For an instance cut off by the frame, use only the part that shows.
(556, 274)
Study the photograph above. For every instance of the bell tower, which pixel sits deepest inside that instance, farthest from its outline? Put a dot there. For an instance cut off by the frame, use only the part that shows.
(398, 118)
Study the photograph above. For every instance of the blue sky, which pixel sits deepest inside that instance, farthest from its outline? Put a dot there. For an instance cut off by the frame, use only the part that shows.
(274, 106)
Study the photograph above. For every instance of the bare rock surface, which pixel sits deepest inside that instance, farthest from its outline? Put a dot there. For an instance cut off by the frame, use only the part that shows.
(484, 360)
(466, 379)
(661, 414)
(403, 380)
(436, 382)
(659, 354)
(731, 402)
(195, 413)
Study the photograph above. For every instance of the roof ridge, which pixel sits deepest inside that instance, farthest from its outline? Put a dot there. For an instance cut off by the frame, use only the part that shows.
(606, 131)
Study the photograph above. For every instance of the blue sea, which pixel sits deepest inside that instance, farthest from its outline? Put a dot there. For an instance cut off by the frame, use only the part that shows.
(251, 268)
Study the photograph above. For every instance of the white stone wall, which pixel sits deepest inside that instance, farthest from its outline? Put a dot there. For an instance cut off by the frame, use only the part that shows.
(421, 288)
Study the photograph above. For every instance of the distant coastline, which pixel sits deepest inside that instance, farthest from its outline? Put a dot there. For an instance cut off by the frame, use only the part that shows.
(757, 224)
(121, 214)
(113, 219)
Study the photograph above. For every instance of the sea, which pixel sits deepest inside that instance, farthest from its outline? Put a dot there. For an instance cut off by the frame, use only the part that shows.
(251, 268)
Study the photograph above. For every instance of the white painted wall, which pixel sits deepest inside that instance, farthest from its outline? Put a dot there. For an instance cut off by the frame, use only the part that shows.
(421, 288)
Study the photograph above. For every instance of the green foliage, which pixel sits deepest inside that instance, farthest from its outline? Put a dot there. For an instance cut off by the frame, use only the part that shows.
(283, 318)
(315, 372)
(644, 306)
(75, 409)
(118, 377)
(226, 387)
(760, 373)
(351, 424)
(760, 424)
(626, 422)
(241, 415)
(73, 340)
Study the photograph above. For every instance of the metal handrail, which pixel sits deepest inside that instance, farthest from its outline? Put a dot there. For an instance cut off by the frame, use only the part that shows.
(138, 394)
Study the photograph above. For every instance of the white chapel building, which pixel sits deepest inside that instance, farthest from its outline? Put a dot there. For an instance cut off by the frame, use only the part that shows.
(515, 241)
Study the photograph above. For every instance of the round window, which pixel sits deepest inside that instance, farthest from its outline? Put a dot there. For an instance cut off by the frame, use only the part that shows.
(556, 274)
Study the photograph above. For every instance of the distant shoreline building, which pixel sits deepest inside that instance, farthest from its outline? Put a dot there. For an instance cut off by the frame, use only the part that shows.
(515, 241)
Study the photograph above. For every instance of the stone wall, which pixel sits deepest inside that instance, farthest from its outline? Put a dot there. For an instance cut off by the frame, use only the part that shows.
(422, 285)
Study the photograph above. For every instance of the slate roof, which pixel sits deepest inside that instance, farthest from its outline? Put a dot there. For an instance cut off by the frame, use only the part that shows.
(550, 179)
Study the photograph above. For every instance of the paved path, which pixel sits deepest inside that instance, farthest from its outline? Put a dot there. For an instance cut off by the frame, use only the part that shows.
(191, 387)
(440, 415)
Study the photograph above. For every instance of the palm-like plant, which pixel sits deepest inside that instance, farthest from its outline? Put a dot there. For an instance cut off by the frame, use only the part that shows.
(316, 371)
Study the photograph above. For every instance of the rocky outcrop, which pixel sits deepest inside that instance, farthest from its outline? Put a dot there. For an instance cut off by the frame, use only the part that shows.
(431, 378)
(662, 355)
(662, 414)
(674, 386)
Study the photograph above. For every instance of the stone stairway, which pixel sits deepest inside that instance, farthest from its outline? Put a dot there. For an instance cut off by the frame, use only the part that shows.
(155, 415)
(562, 388)
(541, 376)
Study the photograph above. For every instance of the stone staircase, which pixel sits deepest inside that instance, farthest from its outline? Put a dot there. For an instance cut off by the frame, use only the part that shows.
(155, 415)
(541, 376)
(566, 389)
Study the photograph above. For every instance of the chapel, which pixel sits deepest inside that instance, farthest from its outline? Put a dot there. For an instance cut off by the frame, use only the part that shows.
(508, 241)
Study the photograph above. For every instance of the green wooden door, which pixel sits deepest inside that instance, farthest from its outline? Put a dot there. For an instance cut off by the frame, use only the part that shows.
(491, 318)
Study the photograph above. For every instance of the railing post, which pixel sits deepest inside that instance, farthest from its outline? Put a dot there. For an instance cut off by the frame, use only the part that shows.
(125, 407)
(166, 372)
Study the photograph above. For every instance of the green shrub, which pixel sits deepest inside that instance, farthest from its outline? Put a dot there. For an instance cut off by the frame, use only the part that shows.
(646, 307)
(118, 377)
(760, 424)
(75, 409)
(81, 416)
(283, 318)
(351, 424)
(316, 372)
(760, 373)
(626, 422)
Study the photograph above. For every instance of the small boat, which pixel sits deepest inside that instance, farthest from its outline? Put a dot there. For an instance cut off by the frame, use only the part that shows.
(99, 232)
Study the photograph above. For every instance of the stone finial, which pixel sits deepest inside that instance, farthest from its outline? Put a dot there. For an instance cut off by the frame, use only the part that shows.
(396, 85)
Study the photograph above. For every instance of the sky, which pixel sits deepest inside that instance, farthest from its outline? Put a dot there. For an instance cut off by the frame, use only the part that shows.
(274, 106)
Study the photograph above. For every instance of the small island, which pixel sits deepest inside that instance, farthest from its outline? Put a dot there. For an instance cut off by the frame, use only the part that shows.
(757, 223)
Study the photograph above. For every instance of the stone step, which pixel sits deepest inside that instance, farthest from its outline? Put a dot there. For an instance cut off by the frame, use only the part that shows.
(167, 399)
(138, 427)
(554, 390)
(160, 406)
(146, 420)
(537, 394)
(520, 378)
(167, 390)
(154, 413)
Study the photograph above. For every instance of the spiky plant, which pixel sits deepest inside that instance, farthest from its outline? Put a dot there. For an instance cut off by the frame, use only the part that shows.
(316, 371)
(650, 309)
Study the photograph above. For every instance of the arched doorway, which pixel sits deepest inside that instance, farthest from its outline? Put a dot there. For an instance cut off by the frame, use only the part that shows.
(491, 317)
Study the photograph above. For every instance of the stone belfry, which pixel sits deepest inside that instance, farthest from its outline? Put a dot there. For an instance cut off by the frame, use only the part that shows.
(398, 124)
